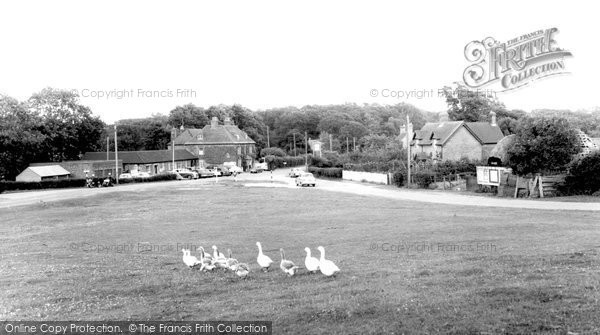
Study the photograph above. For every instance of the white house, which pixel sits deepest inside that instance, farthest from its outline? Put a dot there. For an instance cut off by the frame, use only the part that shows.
(39, 173)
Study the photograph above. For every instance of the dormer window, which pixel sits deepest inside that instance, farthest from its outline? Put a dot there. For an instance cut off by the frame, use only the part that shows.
(237, 137)
(199, 137)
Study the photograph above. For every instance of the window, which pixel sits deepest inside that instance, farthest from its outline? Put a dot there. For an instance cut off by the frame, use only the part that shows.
(250, 149)
(227, 155)
(239, 150)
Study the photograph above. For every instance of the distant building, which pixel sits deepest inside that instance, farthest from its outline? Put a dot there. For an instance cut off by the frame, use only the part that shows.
(78, 169)
(452, 140)
(150, 161)
(41, 173)
(316, 146)
(216, 144)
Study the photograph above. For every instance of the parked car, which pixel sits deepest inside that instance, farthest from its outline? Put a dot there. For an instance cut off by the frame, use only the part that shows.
(188, 174)
(217, 171)
(125, 176)
(306, 179)
(235, 169)
(296, 172)
(224, 171)
(256, 170)
(204, 173)
(143, 175)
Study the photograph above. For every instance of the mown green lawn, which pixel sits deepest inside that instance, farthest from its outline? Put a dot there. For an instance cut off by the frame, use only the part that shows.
(469, 269)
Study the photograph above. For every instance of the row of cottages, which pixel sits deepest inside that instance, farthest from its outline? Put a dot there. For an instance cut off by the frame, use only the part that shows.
(453, 140)
(150, 161)
(218, 143)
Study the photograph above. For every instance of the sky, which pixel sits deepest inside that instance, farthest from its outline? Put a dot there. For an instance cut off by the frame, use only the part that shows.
(136, 58)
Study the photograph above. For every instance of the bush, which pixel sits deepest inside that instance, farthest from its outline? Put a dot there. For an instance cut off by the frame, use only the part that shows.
(38, 185)
(272, 152)
(326, 172)
(398, 178)
(584, 176)
(424, 178)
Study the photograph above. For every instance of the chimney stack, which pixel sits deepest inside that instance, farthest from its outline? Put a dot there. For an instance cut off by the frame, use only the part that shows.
(493, 119)
(214, 122)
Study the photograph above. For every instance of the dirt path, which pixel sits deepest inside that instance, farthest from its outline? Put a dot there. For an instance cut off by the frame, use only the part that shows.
(438, 197)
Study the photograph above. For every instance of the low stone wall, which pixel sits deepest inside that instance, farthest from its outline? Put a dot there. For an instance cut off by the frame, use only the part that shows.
(378, 178)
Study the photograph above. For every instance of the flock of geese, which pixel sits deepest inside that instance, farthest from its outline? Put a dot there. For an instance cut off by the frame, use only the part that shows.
(217, 260)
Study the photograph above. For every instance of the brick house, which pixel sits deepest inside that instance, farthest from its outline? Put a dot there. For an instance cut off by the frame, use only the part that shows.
(452, 140)
(150, 161)
(216, 144)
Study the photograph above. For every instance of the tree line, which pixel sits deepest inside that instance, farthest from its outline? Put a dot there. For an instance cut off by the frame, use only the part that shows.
(53, 125)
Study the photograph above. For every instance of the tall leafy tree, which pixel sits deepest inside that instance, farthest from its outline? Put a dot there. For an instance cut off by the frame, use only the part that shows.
(21, 137)
(69, 127)
(542, 144)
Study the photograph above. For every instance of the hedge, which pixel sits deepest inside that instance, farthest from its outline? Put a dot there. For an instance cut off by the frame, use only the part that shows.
(158, 177)
(277, 162)
(39, 185)
(424, 178)
(583, 176)
(326, 172)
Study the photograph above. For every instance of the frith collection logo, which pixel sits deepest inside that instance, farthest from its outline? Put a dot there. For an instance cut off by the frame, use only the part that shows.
(515, 63)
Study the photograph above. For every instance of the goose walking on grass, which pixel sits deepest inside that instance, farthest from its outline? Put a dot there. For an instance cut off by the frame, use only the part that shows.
(241, 269)
(287, 266)
(216, 253)
(208, 256)
(263, 260)
(189, 260)
(230, 262)
(219, 260)
(207, 264)
(326, 266)
(311, 263)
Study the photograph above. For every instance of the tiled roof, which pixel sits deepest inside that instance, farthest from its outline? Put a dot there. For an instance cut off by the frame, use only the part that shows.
(49, 170)
(220, 134)
(143, 157)
(484, 132)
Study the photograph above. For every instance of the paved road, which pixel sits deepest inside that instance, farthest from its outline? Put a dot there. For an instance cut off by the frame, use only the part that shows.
(280, 177)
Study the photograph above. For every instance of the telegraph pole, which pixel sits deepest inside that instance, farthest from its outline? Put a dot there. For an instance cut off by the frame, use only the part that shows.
(407, 151)
(268, 140)
(347, 146)
(108, 146)
(173, 132)
(354, 143)
(306, 150)
(116, 156)
(330, 143)
(295, 153)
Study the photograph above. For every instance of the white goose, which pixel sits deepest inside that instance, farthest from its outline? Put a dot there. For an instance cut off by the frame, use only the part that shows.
(230, 262)
(263, 260)
(326, 266)
(216, 253)
(287, 266)
(311, 263)
(207, 263)
(189, 260)
(208, 256)
(219, 259)
(241, 270)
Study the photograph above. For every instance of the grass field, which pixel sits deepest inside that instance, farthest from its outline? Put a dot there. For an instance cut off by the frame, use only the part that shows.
(467, 269)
